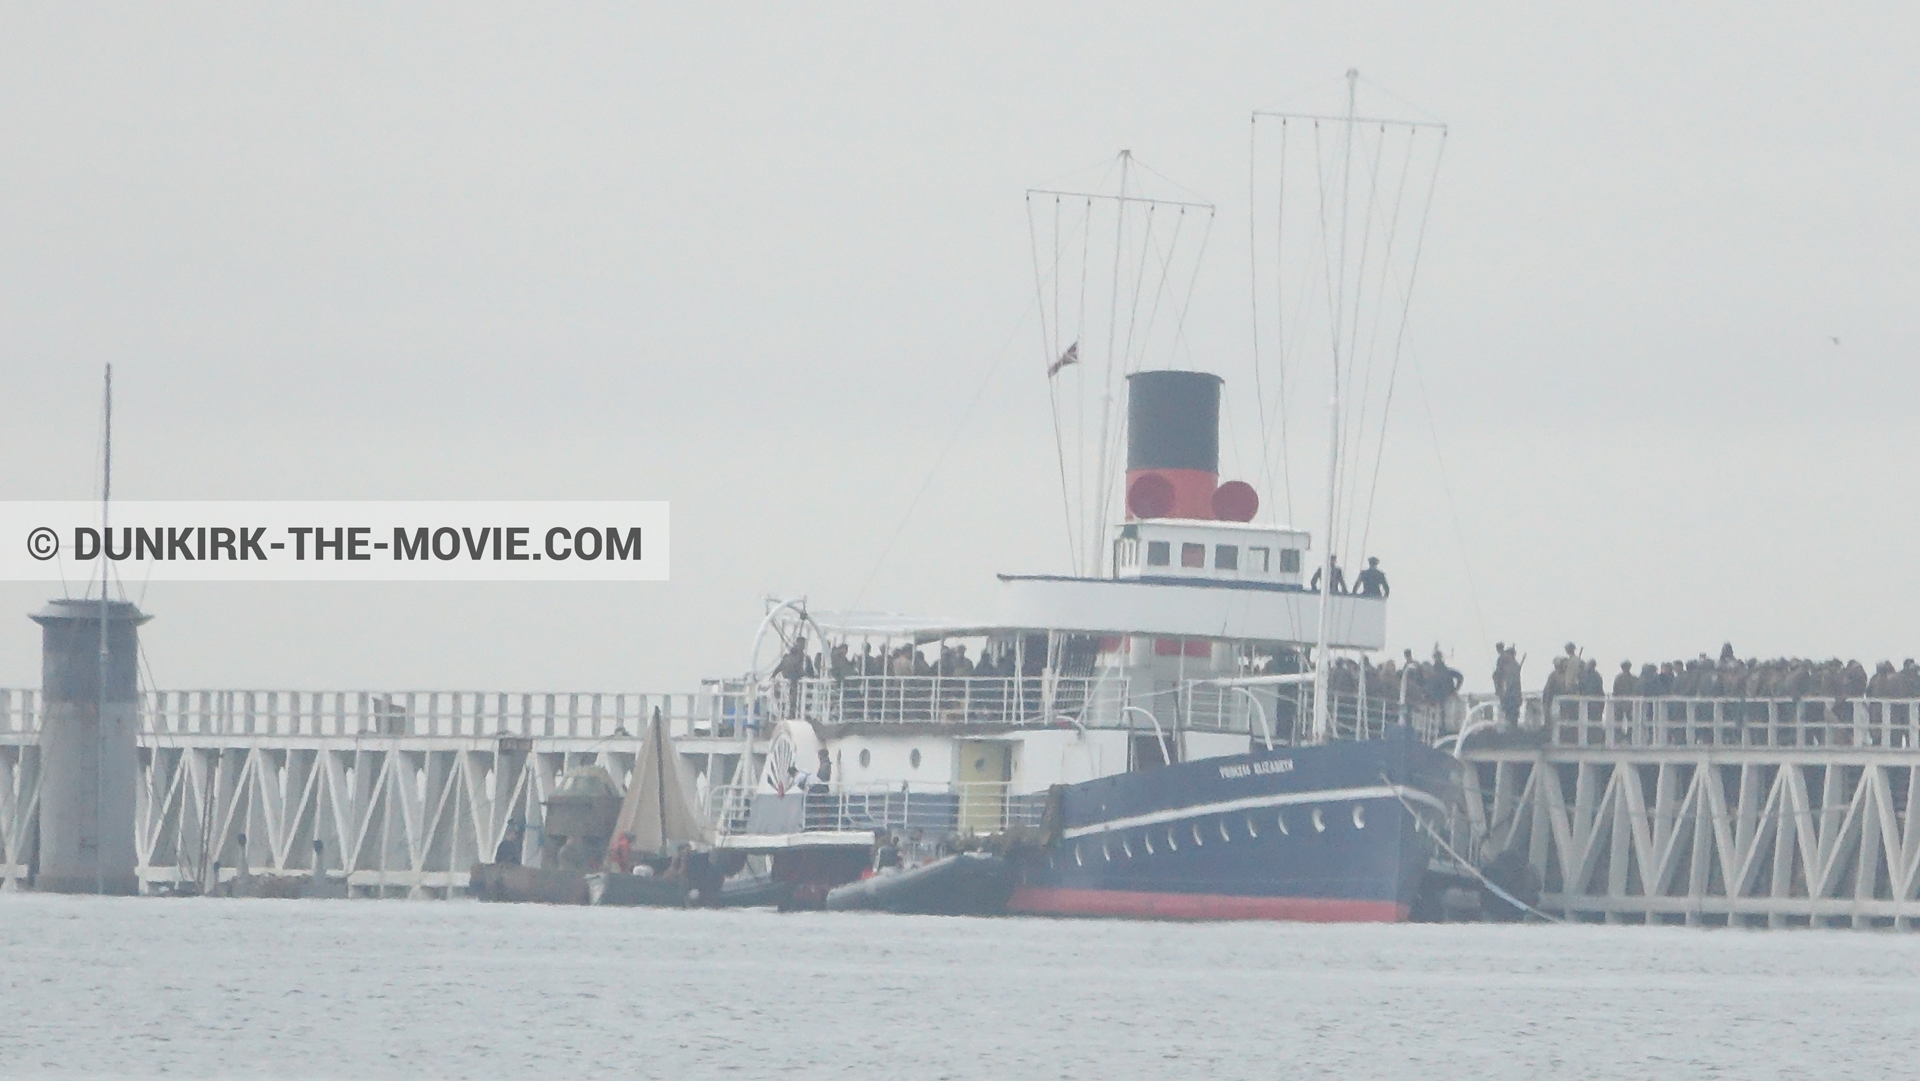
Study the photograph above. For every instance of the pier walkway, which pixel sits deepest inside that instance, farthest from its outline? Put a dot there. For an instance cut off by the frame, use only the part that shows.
(1748, 812)
(402, 791)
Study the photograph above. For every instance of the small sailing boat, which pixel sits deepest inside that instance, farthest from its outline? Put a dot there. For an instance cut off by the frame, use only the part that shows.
(661, 849)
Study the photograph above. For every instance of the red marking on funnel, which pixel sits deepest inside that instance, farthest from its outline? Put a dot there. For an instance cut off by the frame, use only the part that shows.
(1235, 501)
(1150, 496)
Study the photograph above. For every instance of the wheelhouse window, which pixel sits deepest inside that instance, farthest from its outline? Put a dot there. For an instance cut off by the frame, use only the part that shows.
(1158, 554)
(1289, 561)
(1226, 557)
(1259, 561)
(1193, 555)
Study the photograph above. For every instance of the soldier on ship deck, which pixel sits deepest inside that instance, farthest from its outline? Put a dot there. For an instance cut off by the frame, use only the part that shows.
(1372, 581)
(1337, 581)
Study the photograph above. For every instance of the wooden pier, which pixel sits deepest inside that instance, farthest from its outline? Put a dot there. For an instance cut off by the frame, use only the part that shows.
(1768, 813)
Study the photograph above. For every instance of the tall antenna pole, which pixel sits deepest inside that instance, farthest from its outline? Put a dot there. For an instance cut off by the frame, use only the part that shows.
(1321, 669)
(1346, 178)
(100, 690)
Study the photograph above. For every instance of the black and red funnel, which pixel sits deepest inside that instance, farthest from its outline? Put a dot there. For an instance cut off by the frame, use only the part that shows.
(1173, 450)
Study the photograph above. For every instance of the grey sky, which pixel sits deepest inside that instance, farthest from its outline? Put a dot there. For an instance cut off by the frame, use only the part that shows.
(757, 260)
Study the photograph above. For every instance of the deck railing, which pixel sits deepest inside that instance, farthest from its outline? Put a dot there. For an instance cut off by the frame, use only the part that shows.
(1091, 702)
(936, 809)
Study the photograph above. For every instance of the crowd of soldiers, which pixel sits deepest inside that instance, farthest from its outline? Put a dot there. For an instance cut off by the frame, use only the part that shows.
(1729, 677)
(1424, 683)
(841, 663)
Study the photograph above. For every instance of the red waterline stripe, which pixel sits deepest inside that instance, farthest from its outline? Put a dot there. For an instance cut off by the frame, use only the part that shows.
(1201, 906)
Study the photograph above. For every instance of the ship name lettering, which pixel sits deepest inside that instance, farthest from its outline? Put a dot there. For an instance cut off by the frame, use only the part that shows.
(1274, 765)
(1230, 772)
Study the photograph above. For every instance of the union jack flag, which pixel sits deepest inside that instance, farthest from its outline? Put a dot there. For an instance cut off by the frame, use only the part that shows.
(1071, 356)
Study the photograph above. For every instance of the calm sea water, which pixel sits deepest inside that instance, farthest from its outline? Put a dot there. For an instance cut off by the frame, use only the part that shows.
(141, 987)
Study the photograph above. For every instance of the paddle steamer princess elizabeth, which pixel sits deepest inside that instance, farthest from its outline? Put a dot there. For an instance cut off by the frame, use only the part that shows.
(1140, 744)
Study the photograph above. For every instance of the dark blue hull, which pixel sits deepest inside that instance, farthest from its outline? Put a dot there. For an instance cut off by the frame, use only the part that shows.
(1306, 833)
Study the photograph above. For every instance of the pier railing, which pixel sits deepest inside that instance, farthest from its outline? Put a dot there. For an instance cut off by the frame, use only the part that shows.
(402, 713)
(1605, 721)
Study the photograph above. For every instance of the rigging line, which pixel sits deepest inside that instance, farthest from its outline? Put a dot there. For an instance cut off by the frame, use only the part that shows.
(1047, 341)
(1357, 404)
(1413, 273)
(1133, 319)
(1180, 344)
(1253, 299)
(1000, 358)
(1333, 320)
(1047, 356)
(1321, 84)
(1353, 344)
(1113, 320)
(1053, 347)
(1453, 510)
(1346, 208)
(1326, 253)
(1203, 200)
(1153, 319)
(1430, 120)
(1053, 395)
(1079, 381)
(1105, 163)
(1111, 451)
(1199, 256)
(1393, 231)
(1355, 512)
(1393, 369)
(1280, 321)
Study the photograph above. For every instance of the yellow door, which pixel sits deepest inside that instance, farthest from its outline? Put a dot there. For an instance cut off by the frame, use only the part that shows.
(986, 770)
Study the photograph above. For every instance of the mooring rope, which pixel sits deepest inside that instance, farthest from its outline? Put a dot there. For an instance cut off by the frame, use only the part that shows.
(1489, 883)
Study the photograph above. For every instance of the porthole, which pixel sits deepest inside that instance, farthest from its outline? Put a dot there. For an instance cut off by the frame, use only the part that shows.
(1196, 834)
(1359, 817)
(866, 758)
(1281, 821)
(1172, 844)
(1077, 862)
(1148, 842)
(913, 758)
(1319, 821)
(1126, 849)
(1224, 835)
(1251, 831)
(1105, 852)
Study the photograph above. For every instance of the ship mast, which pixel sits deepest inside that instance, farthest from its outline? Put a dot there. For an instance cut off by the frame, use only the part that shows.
(100, 690)
(1321, 671)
